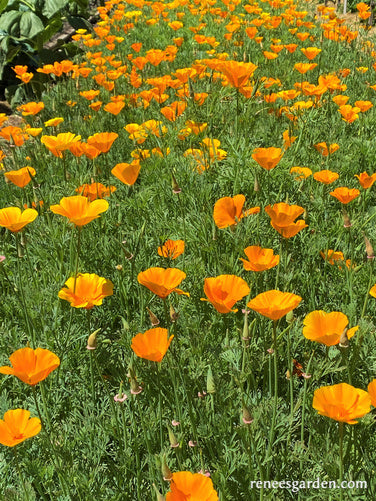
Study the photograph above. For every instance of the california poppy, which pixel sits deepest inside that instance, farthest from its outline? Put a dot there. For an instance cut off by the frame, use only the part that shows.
(325, 150)
(349, 113)
(365, 180)
(259, 259)
(325, 176)
(304, 67)
(79, 210)
(95, 190)
(194, 486)
(31, 366)
(372, 392)
(86, 290)
(171, 249)
(342, 402)
(267, 158)
(61, 142)
(326, 328)
(14, 220)
(102, 141)
(17, 426)
(224, 291)
(54, 122)
(31, 108)
(345, 195)
(20, 177)
(274, 304)
(283, 216)
(152, 344)
(334, 257)
(310, 52)
(229, 210)
(301, 172)
(127, 173)
(162, 281)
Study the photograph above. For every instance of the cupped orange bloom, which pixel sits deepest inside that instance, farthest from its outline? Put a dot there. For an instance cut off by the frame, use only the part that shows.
(229, 210)
(363, 105)
(349, 113)
(162, 281)
(31, 108)
(342, 402)
(171, 249)
(86, 290)
(95, 190)
(325, 176)
(259, 259)
(17, 426)
(372, 392)
(327, 328)
(102, 141)
(191, 486)
(127, 173)
(283, 216)
(267, 158)
(300, 172)
(304, 67)
(79, 210)
(325, 150)
(14, 220)
(311, 52)
(61, 142)
(334, 257)
(345, 195)
(224, 291)
(373, 291)
(274, 304)
(31, 366)
(20, 177)
(365, 180)
(152, 344)
(237, 73)
(340, 99)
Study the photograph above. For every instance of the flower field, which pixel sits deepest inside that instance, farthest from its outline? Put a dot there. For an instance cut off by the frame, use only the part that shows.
(187, 223)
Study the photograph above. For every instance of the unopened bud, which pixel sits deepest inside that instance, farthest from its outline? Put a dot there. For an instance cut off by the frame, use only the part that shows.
(153, 318)
(174, 315)
(166, 472)
(246, 415)
(92, 340)
(171, 436)
(256, 186)
(175, 187)
(344, 340)
(210, 386)
(346, 220)
(290, 317)
(135, 387)
(160, 497)
(369, 248)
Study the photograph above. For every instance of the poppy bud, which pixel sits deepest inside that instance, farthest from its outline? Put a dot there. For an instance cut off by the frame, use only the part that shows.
(135, 387)
(344, 340)
(174, 315)
(175, 187)
(210, 386)
(346, 220)
(166, 472)
(171, 436)
(160, 497)
(256, 186)
(369, 248)
(290, 317)
(246, 415)
(92, 340)
(153, 318)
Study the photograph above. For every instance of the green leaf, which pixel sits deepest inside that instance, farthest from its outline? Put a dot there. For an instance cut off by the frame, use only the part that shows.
(10, 22)
(30, 24)
(51, 7)
(3, 5)
(53, 27)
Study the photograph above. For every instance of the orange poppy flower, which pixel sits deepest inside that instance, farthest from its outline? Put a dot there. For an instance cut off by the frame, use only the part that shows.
(79, 210)
(114, 108)
(334, 257)
(14, 220)
(186, 485)
(95, 190)
(372, 392)
(17, 426)
(86, 290)
(325, 176)
(229, 210)
(304, 67)
(259, 259)
(342, 402)
(311, 52)
(237, 73)
(365, 180)
(31, 108)
(61, 142)
(340, 100)
(291, 47)
(283, 216)
(127, 173)
(162, 281)
(267, 158)
(326, 328)
(90, 94)
(300, 172)
(373, 291)
(174, 110)
(270, 55)
(152, 344)
(345, 195)
(224, 291)
(324, 150)
(363, 105)
(274, 304)
(349, 113)
(31, 366)
(288, 140)
(102, 141)
(20, 177)
(171, 249)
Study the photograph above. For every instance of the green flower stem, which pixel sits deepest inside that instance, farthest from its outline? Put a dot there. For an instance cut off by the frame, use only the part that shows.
(304, 406)
(368, 289)
(275, 404)
(79, 229)
(19, 473)
(341, 430)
